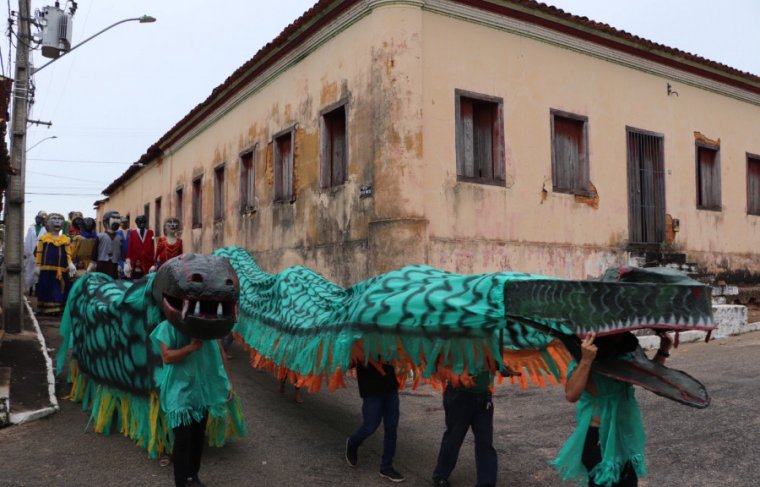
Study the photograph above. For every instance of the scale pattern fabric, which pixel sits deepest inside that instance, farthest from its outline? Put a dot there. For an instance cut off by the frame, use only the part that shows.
(427, 322)
(115, 367)
(442, 326)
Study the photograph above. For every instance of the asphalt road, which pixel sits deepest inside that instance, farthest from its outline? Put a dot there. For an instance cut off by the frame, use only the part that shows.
(302, 444)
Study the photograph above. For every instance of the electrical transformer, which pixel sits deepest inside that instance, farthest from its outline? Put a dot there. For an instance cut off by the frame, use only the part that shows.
(56, 31)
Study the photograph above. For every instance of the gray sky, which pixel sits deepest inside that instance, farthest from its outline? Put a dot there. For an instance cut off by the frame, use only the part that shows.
(115, 96)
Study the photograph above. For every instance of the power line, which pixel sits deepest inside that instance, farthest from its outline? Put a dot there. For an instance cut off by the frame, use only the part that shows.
(65, 177)
(65, 194)
(76, 161)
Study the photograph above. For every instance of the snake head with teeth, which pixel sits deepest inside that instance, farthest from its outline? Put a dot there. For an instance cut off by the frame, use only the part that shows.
(198, 295)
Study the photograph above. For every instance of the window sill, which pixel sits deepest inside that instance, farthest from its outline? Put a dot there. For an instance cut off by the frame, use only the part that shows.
(710, 208)
(248, 211)
(487, 182)
(284, 202)
(197, 225)
(575, 192)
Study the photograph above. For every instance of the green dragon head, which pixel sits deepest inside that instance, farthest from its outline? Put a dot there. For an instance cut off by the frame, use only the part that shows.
(198, 294)
(625, 299)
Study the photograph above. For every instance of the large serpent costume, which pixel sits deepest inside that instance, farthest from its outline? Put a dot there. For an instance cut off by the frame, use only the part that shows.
(115, 368)
(442, 326)
(430, 324)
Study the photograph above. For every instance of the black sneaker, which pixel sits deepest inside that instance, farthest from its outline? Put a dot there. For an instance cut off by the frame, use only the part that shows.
(441, 483)
(351, 453)
(391, 474)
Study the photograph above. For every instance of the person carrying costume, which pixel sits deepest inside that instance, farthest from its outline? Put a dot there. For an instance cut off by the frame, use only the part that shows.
(468, 408)
(30, 246)
(378, 388)
(140, 250)
(107, 249)
(169, 244)
(194, 384)
(54, 267)
(123, 232)
(607, 446)
(82, 245)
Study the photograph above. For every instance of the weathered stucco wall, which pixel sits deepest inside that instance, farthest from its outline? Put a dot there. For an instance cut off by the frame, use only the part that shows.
(525, 225)
(397, 66)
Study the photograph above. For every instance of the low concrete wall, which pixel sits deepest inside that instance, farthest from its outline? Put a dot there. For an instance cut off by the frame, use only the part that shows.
(730, 318)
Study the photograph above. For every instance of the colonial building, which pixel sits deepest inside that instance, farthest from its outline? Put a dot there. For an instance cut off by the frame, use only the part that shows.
(471, 135)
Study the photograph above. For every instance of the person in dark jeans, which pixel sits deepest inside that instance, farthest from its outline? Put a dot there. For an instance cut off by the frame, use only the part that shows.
(468, 408)
(378, 388)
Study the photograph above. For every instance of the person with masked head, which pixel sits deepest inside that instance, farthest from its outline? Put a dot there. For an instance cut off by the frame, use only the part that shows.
(141, 252)
(607, 446)
(169, 244)
(83, 244)
(107, 249)
(30, 246)
(73, 224)
(54, 267)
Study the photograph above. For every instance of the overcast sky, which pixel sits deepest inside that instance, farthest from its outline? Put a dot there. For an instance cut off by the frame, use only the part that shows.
(118, 94)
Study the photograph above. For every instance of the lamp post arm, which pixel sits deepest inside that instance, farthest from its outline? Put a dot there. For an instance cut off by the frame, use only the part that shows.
(142, 19)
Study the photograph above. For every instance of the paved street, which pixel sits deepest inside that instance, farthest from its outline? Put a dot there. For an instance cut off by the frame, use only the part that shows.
(302, 444)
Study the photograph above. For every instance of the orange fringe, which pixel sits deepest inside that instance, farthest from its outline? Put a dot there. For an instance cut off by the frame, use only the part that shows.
(529, 362)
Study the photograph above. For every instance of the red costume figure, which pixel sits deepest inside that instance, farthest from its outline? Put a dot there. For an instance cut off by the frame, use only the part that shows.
(140, 250)
(169, 245)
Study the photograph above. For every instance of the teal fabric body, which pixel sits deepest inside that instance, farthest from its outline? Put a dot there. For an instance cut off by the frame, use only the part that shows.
(293, 318)
(621, 433)
(194, 385)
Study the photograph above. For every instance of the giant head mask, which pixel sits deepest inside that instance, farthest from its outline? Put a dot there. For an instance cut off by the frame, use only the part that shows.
(40, 218)
(54, 223)
(111, 221)
(171, 227)
(141, 222)
(88, 224)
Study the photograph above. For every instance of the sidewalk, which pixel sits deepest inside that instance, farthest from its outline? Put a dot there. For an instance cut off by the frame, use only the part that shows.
(25, 360)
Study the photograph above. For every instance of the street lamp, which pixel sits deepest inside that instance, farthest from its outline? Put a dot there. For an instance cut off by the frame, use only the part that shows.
(13, 302)
(145, 19)
(41, 141)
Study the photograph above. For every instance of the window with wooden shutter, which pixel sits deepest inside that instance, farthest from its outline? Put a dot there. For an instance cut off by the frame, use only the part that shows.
(179, 201)
(708, 178)
(334, 149)
(158, 226)
(247, 182)
(753, 184)
(197, 200)
(283, 167)
(570, 166)
(146, 214)
(219, 193)
(479, 138)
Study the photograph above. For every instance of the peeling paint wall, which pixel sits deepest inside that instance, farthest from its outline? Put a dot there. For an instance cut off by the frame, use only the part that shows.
(397, 68)
(526, 226)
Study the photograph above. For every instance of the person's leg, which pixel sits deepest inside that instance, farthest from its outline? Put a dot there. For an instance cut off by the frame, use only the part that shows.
(180, 455)
(628, 477)
(198, 438)
(486, 460)
(371, 416)
(457, 410)
(390, 424)
(592, 453)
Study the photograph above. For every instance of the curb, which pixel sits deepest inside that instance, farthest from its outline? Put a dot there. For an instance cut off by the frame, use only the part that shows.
(26, 416)
(650, 342)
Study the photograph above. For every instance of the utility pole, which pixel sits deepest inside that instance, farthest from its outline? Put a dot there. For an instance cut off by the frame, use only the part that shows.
(13, 289)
